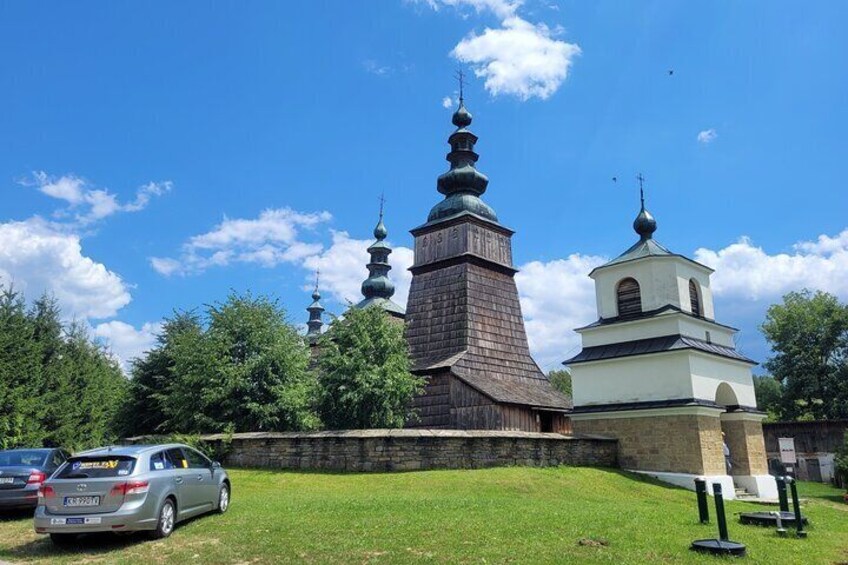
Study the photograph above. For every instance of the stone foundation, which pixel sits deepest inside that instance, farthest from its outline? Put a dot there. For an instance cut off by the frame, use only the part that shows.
(675, 443)
(408, 450)
(744, 437)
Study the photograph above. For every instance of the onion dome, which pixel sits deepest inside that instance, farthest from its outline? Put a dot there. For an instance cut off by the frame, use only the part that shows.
(463, 184)
(645, 224)
(377, 288)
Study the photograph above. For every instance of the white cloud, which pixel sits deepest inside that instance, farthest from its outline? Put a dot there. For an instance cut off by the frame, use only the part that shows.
(37, 256)
(519, 58)
(707, 136)
(125, 342)
(501, 8)
(91, 204)
(373, 67)
(268, 240)
(557, 297)
(343, 268)
(746, 271)
(447, 102)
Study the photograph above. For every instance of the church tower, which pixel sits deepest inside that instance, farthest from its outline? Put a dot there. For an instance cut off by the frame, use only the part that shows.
(463, 319)
(316, 312)
(658, 372)
(377, 288)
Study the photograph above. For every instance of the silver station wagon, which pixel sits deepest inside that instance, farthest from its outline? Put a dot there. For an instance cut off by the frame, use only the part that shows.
(124, 489)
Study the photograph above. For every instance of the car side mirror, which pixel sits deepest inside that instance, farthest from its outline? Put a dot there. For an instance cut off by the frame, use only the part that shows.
(216, 465)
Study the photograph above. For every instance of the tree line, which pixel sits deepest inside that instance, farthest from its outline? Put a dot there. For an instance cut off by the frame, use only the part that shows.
(235, 366)
(57, 386)
(240, 365)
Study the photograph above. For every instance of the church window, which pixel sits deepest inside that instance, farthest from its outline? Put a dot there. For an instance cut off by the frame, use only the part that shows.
(694, 298)
(629, 298)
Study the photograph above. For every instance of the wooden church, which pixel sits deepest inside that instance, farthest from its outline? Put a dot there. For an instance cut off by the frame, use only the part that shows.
(463, 318)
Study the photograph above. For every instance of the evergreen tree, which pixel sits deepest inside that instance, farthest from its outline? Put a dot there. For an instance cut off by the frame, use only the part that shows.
(57, 386)
(57, 394)
(21, 384)
(364, 379)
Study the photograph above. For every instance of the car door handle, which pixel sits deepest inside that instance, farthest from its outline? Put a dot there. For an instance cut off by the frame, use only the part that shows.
(199, 477)
(178, 480)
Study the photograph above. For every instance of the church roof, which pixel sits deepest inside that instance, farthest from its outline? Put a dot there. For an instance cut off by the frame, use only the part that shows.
(509, 381)
(462, 184)
(645, 225)
(378, 289)
(668, 308)
(655, 345)
(388, 305)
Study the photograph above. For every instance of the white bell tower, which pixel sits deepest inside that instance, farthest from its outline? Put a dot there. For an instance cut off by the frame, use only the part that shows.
(661, 375)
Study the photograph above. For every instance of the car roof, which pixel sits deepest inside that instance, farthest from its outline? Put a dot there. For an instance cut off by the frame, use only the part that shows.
(44, 449)
(128, 450)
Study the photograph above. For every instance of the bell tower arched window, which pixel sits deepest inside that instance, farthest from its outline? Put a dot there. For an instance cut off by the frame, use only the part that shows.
(694, 298)
(629, 298)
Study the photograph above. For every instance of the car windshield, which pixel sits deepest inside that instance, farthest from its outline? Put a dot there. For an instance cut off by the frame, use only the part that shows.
(23, 458)
(97, 467)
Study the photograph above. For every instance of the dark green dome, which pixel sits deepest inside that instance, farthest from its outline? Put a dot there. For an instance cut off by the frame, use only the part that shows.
(462, 184)
(463, 202)
(379, 286)
(462, 117)
(645, 224)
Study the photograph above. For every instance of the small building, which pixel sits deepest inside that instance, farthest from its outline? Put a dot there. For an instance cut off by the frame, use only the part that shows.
(658, 372)
(816, 444)
(463, 319)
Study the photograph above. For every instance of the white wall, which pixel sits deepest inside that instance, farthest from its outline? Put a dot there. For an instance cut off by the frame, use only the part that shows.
(669, 323)
(709, 371)
(663, 280)
(662, 376)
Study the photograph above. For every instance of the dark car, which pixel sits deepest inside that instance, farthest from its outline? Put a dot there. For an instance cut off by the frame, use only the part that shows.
(22, 471)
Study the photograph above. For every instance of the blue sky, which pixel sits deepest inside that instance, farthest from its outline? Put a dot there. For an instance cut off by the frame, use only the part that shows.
(155, 156)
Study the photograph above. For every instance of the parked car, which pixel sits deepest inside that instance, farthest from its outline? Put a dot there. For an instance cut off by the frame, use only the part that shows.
(124, 489)
(22, 471)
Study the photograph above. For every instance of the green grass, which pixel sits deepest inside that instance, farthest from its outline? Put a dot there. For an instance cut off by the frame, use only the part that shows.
(517, 515)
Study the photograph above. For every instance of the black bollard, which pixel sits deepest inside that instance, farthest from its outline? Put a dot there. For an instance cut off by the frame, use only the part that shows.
(721, 546)
(799, 522)
(703, 507)
(781, 494)
(720, 518)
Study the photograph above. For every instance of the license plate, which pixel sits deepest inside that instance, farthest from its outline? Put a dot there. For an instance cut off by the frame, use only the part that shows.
(73, 521)
(82, 501)
(7, 480)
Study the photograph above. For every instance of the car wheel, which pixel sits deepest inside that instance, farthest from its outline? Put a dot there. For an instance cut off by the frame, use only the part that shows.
(223, 498)
(63, 539)
(167, 520)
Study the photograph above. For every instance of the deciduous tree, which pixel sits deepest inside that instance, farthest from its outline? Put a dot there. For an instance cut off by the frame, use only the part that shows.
(363, 374)
(808, 333)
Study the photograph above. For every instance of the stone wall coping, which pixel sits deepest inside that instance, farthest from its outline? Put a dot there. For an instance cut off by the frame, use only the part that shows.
(405, 433)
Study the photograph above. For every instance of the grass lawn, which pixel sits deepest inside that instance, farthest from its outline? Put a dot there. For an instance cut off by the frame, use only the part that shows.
(520, 515)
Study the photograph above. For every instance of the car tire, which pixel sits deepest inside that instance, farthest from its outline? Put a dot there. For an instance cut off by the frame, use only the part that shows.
(223, 498)
(167, 520)
(63, 539)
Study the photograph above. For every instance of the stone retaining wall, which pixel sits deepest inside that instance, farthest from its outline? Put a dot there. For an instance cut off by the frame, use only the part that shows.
(408, 450)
